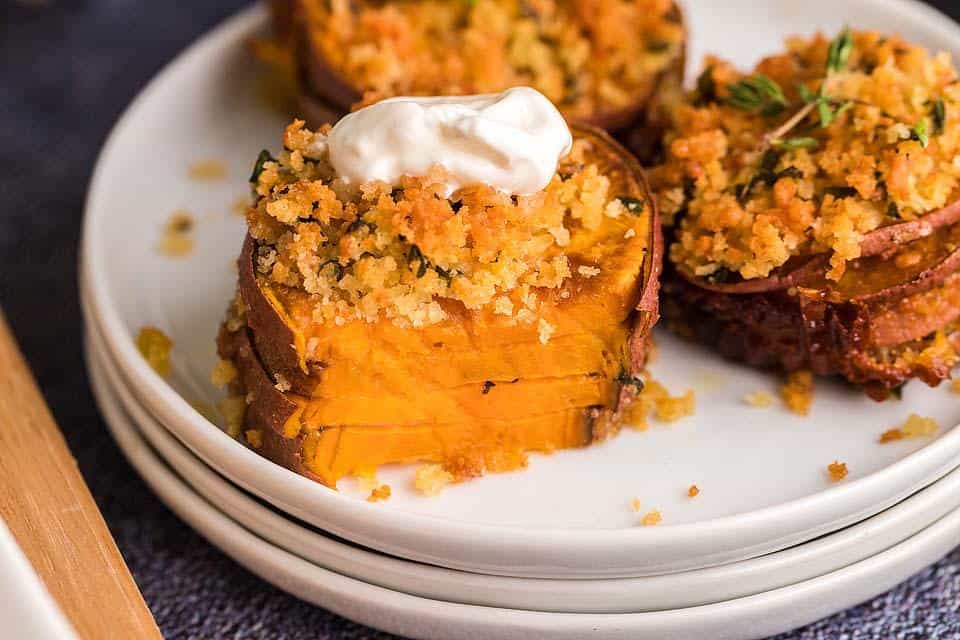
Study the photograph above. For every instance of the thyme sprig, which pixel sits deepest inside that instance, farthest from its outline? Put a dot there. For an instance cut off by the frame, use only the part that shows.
(757, 93)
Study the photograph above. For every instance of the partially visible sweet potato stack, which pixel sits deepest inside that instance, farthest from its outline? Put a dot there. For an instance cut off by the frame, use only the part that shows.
(399, 325)
(813, 208)
(608, 63)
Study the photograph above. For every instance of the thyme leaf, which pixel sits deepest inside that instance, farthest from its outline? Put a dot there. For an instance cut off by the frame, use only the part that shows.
(838, 56)
(757, 93)
(262, 159)
(800, 142)
(939, 117)
(921, 133)
(893, 211)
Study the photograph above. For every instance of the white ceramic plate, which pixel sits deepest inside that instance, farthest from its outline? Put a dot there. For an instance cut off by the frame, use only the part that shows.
(623, 595)
(762, 472)
(756, 616)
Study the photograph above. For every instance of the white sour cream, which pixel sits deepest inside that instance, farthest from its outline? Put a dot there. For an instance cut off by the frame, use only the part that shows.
(511, 141)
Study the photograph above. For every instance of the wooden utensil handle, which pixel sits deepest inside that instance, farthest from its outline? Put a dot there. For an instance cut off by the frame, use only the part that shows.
(48, 508)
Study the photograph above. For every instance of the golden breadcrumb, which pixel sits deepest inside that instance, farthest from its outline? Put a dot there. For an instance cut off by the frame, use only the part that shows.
(233, 408)
(635, 504)
(177, 239)
(207, 170)
(654, 399)
(883, 151)
(430, 479)
(154, 345)
(205, 409)
(759, 399)
(254, 438)
(379, 494)
(837, 470)
(693, 491)
(797, 392)
(224, 372)
(652, 518)
(955, 386)
(915, 426)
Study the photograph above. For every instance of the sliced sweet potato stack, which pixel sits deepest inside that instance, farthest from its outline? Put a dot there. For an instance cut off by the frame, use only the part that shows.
(814, 207)
(391, 352)
(609, 63)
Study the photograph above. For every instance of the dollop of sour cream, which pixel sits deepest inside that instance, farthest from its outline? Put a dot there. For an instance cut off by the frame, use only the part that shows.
(511, 141)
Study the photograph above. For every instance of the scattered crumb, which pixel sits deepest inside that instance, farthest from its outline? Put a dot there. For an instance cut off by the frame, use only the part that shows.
(204, 409)
(544, 330)
(367, 479)
(430, 479)
(759, 399)
(654, 399)
(155, 346)
(915, 426)
(797, 393)
(233, 408)
(652, 518)
(837, 470)
(254, 438)
(207, 170)
(693, 491)
(176, 240)
(635, 504)
(223, 373)
(379, 494)
(955, 386)
(240, 205)
(588, 272)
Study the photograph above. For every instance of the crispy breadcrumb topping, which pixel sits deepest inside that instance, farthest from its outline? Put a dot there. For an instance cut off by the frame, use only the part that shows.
(587, 56)
(379, 494)
(875, 143)
(759, 399)
(693, 491)
(651, 518)
(371, 251)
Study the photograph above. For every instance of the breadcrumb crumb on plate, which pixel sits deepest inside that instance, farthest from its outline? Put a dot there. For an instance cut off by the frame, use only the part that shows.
(177, 238)
(154, 345)
(693, 491)
(915, 426)
(797, 392)
(379, 494)
(758, 399)
(207, 170)
(652, 518)
(430, 479)
(837, 470)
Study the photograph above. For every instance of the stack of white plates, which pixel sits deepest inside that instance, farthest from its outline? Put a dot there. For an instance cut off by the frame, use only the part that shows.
(770, 543)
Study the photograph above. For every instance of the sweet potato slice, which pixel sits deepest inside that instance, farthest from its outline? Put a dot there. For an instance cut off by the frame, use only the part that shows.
(473, 392)
(325, 91)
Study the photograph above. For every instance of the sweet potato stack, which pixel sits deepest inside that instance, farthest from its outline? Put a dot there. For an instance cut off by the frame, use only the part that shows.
(610, 63)
(814, 208)
(334, 396)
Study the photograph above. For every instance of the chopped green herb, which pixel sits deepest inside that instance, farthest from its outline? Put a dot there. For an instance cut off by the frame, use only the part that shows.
(720, 276)
(805, 93)
(893, 211)
(766, 173)
(841, 192)
(939, 117)
(839, 53)
(920, 133)
(796, 143)
(262, 159)
(633, 205)
(757, 93)
(416, 254)
(636, 381)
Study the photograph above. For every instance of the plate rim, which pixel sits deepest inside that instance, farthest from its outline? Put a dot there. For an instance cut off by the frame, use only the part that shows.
(906, 518)
(288, 489)
(754, 616)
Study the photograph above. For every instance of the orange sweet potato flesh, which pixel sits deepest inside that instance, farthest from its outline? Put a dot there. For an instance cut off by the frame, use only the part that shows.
(473, 392)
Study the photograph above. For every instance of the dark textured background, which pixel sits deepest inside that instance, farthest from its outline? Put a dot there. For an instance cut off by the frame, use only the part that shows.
(67, 70)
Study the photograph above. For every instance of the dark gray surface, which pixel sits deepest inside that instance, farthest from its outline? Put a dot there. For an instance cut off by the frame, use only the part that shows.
(67, 70)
